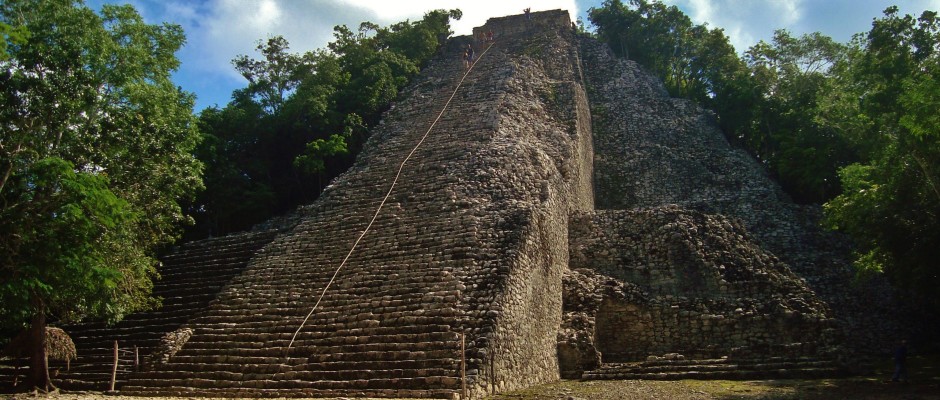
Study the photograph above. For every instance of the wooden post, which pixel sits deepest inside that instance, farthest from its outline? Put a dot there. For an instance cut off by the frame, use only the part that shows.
(114, 370)
(463, 365)
(136, 360)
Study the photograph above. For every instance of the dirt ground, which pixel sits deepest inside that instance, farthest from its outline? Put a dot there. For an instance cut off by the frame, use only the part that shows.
(696, 390)
(924, 384)
(848, 388)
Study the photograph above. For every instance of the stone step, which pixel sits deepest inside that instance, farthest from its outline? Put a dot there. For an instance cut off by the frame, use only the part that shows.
(190, 266)
(211, 343)
(144, 330)
(303, 347)
(258, 381)
(218, 336)
(715, 369)
(239, 372)
(337, 310)
(299, 391)
(808, 373)
(210, 272)
(402, 354)
(191, 278)
(199, 255)
(178, 264)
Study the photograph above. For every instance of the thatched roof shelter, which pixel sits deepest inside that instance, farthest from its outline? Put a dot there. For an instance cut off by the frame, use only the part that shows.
(59, 345)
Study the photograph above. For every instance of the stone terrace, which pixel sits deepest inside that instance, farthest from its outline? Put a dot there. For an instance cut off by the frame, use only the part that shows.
(472, 240)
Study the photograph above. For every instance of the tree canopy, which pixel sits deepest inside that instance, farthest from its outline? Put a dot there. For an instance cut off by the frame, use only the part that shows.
(95, 154)
(886, 103)
(302, 118)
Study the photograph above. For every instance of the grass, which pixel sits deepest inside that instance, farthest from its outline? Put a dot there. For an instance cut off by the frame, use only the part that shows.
(924, 383)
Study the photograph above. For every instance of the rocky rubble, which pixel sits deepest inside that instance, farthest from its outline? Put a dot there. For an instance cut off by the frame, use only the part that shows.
(169, 344)
(665, 281)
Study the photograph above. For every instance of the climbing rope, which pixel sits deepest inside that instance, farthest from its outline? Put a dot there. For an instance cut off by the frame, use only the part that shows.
(382, 203)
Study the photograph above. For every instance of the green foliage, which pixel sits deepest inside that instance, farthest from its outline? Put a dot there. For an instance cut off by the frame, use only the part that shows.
(692, 60)
(11, 36)
(303, 117)
(888, 92)
(272, 78)
(790, 77)
(95, 153)
(66, 243)
(311, 160)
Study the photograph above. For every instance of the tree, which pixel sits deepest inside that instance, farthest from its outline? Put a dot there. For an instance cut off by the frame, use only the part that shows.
(304, 117)
(886, 104)
(10, 36)
(693, 61)
(791, 76)
(95, 153)
(272, 78)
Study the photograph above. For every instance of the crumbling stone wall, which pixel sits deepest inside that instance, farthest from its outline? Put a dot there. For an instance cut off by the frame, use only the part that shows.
(689, 283)
(515, 26)
(653, 150)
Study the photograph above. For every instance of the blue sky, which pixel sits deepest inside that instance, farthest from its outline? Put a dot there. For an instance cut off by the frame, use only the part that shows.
(219, 30)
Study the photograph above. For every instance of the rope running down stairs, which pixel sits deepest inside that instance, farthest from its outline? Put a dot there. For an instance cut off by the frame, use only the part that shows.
(382, 203)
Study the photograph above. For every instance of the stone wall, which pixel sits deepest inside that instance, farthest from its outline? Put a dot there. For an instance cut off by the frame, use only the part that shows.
(689, 283)
(514, 26)
(653, 150)
(541, 140)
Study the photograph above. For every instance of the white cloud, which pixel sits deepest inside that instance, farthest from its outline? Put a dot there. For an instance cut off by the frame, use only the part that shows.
(790, 11)
(701, 10)
(180, 11)
(744, 21)
(228, 28)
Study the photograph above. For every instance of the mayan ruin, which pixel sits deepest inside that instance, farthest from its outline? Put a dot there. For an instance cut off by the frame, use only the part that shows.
(564, 218)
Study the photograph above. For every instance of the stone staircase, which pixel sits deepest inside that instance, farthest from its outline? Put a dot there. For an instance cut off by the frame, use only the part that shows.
(465, 245)
(191, 277)
(467, 252)
(389, 324)
(720, 368)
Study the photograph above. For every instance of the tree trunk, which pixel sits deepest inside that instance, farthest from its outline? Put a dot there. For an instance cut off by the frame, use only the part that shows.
(38, 363)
